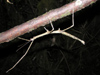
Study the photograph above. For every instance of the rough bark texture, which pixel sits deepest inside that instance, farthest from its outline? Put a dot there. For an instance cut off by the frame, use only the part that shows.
(42, 20)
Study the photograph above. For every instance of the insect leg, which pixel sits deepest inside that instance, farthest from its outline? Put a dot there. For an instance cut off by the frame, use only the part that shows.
(20, 58)
(72, 21)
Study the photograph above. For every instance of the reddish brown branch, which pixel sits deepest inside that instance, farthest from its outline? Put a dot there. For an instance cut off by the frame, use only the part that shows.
(42, 20)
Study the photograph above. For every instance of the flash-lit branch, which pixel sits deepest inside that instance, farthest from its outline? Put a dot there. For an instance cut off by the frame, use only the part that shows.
(9, 2)
(42, 20)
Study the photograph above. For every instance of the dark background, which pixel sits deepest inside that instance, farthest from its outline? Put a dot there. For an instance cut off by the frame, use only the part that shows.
(52, 54)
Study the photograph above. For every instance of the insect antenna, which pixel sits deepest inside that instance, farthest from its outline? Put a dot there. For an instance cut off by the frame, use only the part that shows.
(23, 46)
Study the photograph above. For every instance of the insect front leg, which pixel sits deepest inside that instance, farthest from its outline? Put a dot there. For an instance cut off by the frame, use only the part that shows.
(20, 58)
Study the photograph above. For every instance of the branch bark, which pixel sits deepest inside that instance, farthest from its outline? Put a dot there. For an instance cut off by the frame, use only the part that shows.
(42, 20)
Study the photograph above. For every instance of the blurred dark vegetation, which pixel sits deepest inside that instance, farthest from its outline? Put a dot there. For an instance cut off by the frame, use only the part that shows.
(52, 54)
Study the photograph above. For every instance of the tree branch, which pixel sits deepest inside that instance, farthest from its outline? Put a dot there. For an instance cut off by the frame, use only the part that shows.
(42, 20)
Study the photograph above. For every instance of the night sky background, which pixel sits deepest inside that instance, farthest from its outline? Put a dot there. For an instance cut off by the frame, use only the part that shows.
(52, 54)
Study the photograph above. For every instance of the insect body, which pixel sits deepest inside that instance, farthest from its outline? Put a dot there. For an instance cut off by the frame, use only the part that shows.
(47, 33)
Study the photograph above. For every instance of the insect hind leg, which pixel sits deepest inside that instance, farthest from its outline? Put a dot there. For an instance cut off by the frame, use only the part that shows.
(72, 21)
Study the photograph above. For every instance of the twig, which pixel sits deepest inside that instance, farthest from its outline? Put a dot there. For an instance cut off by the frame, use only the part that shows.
(9, 2)
(42, 20)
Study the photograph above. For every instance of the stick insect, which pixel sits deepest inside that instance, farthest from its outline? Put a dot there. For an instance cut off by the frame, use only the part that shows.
(47, 33)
